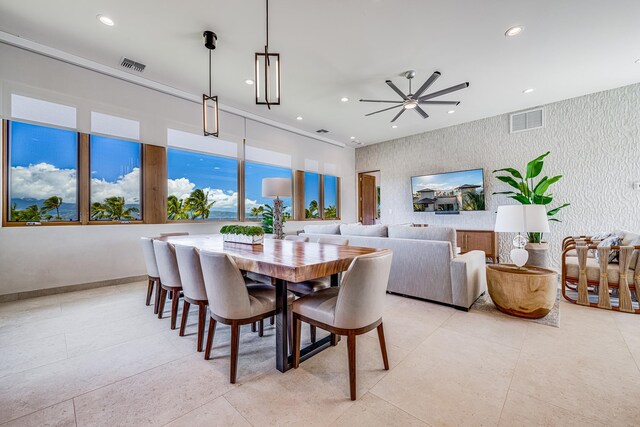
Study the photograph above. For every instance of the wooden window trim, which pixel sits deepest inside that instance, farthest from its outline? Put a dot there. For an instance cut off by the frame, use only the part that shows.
(299, 214)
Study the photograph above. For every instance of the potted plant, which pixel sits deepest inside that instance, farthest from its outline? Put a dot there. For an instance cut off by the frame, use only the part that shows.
(529, 192)
(252, 235)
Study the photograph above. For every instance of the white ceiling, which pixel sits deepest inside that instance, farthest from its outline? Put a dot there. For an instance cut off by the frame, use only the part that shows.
(335, 48)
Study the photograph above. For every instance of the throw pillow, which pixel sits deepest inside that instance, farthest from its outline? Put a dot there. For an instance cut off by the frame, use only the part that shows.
(613, 240)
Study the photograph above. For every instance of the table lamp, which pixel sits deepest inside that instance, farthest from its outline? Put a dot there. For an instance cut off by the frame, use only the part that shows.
(274, 188)
(521, 219)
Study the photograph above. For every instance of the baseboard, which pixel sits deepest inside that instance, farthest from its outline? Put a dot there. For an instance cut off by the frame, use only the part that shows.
(70, 288)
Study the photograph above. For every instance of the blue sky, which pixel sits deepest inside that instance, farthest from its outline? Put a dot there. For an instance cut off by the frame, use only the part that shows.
(33, 144)
(311, 188)
(254, 173)
(113, 158)
(330, 190)
(203, 170)
(447, 181)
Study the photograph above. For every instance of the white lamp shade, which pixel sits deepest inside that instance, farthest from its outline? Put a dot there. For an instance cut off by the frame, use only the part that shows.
(276, 187)
(522, 219)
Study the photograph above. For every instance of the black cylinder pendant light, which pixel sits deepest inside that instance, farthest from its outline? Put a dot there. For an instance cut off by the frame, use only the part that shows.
(210, 124)
(267, 72)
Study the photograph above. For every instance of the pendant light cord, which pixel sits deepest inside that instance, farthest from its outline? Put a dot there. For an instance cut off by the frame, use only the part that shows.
(209, 73)
(267, 25)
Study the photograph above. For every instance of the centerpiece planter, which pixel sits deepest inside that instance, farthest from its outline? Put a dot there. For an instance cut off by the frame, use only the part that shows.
(250, 235)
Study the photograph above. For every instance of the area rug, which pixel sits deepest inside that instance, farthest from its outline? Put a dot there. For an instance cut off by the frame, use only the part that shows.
(484, 304)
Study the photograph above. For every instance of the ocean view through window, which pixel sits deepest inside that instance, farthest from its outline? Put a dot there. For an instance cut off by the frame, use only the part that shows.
(254, 204)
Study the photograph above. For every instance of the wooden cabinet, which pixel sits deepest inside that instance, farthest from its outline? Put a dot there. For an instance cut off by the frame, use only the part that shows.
(482, 240)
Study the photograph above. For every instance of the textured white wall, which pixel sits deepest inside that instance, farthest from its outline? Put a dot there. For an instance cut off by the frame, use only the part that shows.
(594, 142)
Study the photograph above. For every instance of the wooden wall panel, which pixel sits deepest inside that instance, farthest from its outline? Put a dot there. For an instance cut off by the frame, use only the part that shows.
(154, 184)
(298, 196)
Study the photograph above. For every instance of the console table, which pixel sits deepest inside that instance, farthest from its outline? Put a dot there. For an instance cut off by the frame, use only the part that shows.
(482, 240)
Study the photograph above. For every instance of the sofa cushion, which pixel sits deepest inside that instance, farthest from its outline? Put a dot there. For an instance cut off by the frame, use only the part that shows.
(322, 229)
(377, 230)
(593, 271)
(444, 234)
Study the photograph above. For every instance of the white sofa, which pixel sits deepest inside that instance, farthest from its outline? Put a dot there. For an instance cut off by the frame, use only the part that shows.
(424, 265)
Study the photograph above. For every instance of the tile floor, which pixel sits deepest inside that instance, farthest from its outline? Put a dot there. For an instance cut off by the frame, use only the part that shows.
(100, 357)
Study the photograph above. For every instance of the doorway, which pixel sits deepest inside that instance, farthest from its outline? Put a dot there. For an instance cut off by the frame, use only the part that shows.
(369, 197)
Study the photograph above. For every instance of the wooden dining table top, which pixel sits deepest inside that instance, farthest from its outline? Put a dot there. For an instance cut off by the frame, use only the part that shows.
(281, 259)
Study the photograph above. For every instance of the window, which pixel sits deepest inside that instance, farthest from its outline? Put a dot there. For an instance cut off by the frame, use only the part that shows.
(115, 179)
(42, 174)
(201, 186)
(254, 203)
(330, 197)
(311, 195)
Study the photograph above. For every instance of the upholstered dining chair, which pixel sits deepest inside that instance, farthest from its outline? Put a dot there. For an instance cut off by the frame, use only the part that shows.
(233, 303)
(295, 238)
(192, 288)
(175, 233)
(152, 271)
(352, 309)
(305, 288)
(169, 278)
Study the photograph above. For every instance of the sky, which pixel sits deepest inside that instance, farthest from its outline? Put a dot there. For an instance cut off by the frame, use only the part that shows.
(447, 181)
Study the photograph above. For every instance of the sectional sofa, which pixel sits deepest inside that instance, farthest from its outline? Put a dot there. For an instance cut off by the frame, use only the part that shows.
(425, 264)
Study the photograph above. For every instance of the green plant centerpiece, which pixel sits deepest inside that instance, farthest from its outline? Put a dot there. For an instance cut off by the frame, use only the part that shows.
(250, 234)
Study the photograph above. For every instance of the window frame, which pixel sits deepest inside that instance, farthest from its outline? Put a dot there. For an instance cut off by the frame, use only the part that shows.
(244, 195)
(299, 197)
(338, 216)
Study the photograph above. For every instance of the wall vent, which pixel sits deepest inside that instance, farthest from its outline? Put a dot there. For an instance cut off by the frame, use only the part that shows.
(322, 131)
(132, 65)
(526, 120)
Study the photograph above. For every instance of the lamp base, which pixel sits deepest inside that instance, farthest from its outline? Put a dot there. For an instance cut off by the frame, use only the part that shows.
(519, 257)
(278, 232)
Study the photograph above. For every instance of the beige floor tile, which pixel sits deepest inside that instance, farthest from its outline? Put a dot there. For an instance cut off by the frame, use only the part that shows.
(217, 413)
(14, 333)
(451, 379)
(521, 410)
(29, 315)
(38, 388)
(371, 411)
(629, 326)
(153, 397)
(59, 415)
(30, 353)
(492, 327)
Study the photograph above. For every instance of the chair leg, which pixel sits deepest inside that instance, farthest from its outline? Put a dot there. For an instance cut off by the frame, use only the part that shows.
(235, 343)
(163, 299)
(297, 325)
(185, 314)
(383, 347)
(334, 340)
(272, 320)
(149, 290)
(312, 333)
(290, 329)
(202, 314)
(157, 298)
(174, 307)
(254, 328)
(351, 344)
(261, 328)
(212, 330)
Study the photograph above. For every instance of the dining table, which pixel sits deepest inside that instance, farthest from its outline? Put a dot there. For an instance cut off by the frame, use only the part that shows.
(284, 261)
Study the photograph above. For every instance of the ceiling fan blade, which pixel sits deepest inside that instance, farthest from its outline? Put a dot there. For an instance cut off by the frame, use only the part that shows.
(396, 90)
(444, 91)
(377, 100)
(398, 115)
(439, 102)
(421, 112)
(386, 109)
(426, 85)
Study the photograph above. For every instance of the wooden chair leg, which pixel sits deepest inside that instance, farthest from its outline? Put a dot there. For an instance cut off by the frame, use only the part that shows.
(254, 327)
(149, 291)
(210, 334)
(174, 307)
(334, 340)
(157, 298)
(202, 315)
(235, 343)
(351, 345)
(290, 329)
(297, 325)
(383, 347)
(163, 299)
(312, 333)
(185, 314)
(261, 328)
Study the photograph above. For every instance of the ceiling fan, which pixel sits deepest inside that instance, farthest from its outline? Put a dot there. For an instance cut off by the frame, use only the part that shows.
(413, 101)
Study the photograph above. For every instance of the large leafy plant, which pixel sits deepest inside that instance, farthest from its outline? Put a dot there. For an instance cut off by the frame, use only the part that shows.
(529, 191)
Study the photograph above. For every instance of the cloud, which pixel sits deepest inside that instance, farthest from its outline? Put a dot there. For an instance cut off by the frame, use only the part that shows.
(224, 200)
(127, 186)
(41, 181)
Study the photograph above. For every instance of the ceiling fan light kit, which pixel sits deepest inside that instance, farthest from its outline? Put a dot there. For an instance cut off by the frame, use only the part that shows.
(267, 77)
(414, 101)
(210, 125)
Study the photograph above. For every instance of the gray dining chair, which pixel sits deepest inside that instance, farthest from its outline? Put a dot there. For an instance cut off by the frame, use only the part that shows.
(305, 288)
(193, 288)
(354, 308)
(152, 271)
(169, 278)
(295, 238)
(233, 303)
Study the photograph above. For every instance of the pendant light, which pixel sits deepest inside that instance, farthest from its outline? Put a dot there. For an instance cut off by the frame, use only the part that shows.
(208, 101)
(267, 73)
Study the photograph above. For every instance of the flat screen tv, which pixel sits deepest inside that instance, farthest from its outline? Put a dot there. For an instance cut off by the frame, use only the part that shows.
(449, 193)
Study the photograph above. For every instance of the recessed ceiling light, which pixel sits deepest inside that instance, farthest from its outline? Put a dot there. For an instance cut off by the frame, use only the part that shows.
(344, 99)
(451, 111)
(514, 31)
(299, 118)
(394, 126)
(353, 137)
(249, 81)
(106, 20)
(529, 90)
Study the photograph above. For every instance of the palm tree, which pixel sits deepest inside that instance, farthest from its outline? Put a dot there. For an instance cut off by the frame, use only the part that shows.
(30, 213)
(198, 204)
(312, 211)
(473, 201)
(176, 209)
(113, 208)
(330, 212)
(257, 211)
(53, 202)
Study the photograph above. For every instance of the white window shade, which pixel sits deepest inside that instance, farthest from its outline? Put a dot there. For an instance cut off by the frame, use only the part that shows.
(115, 126)
(261, 155)
(311, 165)
(37, 110)
(330, 169)
(201, 143)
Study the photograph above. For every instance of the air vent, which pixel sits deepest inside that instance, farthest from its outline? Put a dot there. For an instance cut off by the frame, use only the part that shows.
(130, 64)
(526, 120)
(322, 131)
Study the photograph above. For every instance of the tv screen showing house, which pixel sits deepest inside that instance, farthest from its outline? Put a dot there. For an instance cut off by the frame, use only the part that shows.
(449, 192)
